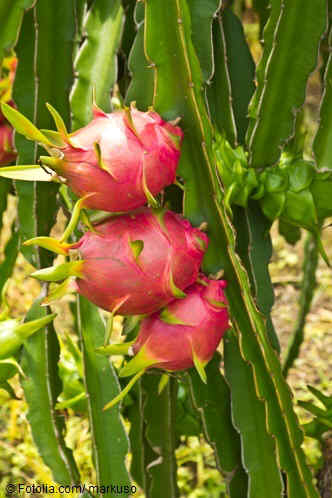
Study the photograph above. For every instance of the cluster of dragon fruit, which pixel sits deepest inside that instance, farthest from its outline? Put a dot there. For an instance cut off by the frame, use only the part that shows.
(142, 259)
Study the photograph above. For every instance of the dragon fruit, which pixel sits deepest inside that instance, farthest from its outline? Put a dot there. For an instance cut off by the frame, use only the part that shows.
(183, 335)
(118, 162)
(134, 263)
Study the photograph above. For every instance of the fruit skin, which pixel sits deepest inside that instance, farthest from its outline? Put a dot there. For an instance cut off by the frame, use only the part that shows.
(202, 319)
(7, 151)
(136, 155)
(143, 259)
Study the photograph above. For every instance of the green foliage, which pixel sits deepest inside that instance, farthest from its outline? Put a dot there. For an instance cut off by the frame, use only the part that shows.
(322, 143)
(159, 413)
(109, 441)
(233, 83)
(23, 91)
(96, 61)
(293, 191)
(178, 92)
(41, 389)
(308, 285)
(259, 456)
(213, 403)
(284, 64)
(322, 421)
(11, 14)
(189, 61)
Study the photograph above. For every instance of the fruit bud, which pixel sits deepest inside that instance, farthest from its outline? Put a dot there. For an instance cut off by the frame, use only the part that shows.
(183, 335)
(135, 263)
(124, 158)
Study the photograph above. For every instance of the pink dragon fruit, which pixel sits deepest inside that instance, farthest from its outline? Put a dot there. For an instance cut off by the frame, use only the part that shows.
(123, 158)
(7, 151)
(135, 263)
(184, 334)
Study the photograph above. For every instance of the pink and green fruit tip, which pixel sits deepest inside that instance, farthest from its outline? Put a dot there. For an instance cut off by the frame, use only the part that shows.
(185, 334)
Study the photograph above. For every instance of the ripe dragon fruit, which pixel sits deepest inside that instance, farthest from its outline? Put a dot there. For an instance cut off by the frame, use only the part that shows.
(183, 335)
(121, 159)
(186, 332)
(134, 263)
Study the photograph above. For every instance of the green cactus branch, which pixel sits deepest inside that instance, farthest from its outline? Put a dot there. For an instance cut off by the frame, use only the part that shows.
(293, 191)
(11, 15)
(182, 96)
(289, 58)
(308, 285)
(96, 61)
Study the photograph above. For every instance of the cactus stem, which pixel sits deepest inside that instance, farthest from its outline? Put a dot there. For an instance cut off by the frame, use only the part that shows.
(321, 249)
